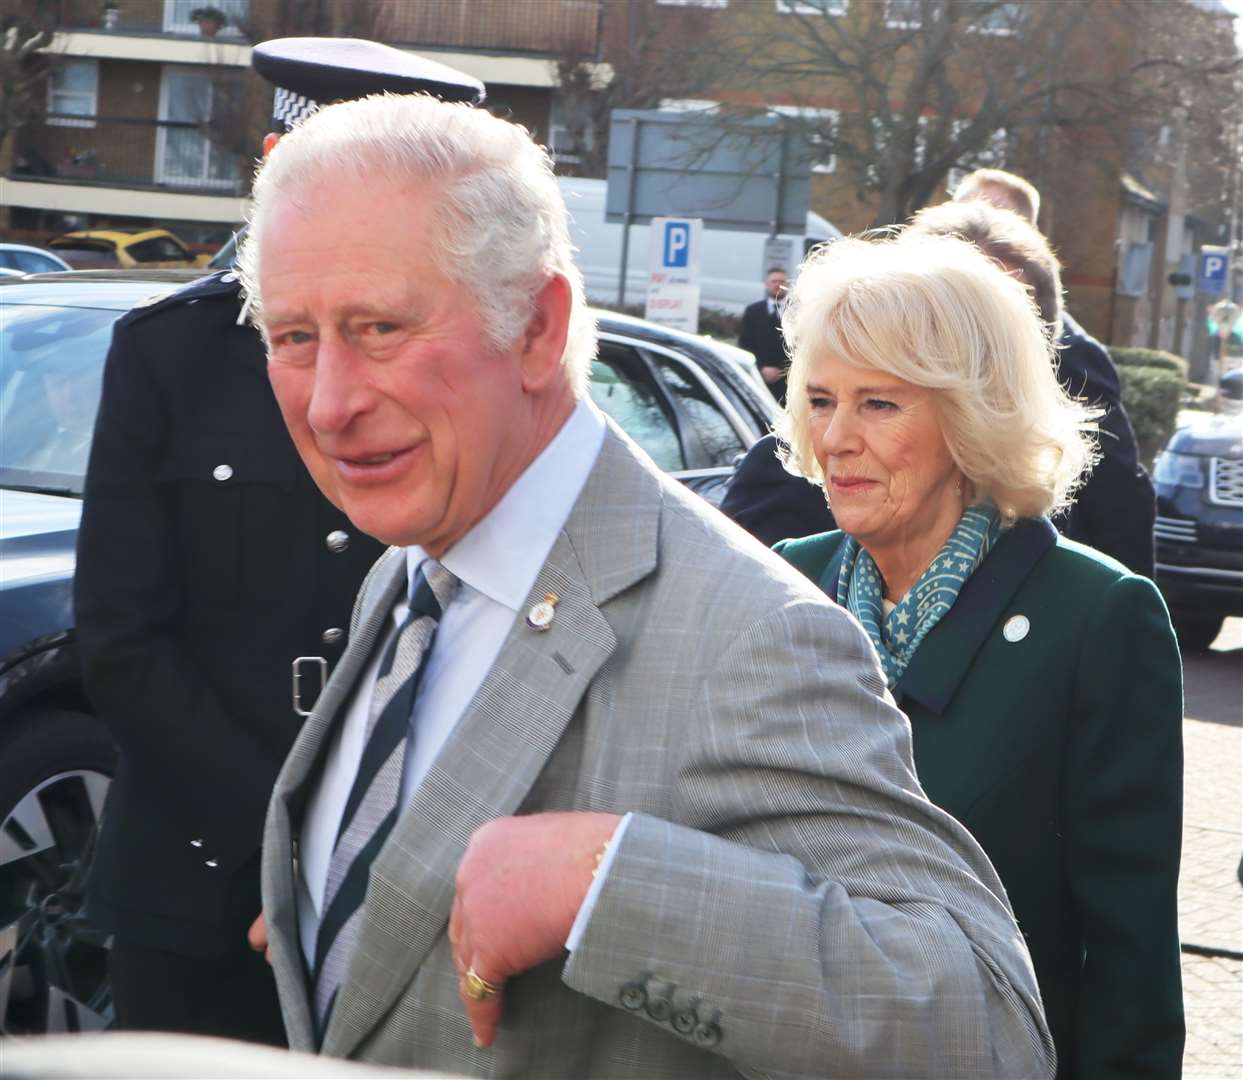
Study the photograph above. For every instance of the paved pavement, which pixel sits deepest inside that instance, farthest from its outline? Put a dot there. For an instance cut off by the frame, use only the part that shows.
(1210, 896)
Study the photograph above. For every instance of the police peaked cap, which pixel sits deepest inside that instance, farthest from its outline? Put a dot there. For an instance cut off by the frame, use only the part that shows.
(312, 71)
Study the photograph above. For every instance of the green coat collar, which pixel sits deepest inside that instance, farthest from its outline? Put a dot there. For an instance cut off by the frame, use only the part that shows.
(941, 662)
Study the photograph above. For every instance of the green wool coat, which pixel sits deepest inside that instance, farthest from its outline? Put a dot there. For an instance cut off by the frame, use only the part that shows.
(1061, 751)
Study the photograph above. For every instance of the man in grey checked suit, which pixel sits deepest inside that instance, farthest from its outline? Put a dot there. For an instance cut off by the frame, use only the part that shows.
(653, 813)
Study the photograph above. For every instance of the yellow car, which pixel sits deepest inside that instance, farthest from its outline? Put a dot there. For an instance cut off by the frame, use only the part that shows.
(93, 249)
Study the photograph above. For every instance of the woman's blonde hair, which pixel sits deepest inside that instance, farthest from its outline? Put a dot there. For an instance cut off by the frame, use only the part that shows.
(936, 312)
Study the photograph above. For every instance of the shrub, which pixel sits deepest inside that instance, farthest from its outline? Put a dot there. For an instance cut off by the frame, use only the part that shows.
(1152, 396)
(1124, 356)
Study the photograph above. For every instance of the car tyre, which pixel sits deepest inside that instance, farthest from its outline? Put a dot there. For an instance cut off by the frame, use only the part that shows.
(53, 964)
(1196, 631)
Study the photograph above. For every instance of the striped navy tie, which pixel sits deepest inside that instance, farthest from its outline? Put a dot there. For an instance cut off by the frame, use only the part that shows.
(374, 802)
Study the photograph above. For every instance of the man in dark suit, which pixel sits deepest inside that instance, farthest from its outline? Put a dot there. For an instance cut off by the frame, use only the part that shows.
(208, 561)
(761, 333)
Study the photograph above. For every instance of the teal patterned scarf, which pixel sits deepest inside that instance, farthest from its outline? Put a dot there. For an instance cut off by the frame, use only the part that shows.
(898, 634)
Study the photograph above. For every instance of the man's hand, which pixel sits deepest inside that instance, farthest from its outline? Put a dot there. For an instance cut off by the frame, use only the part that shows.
(771, 374)
(519, 887)
(257, 937)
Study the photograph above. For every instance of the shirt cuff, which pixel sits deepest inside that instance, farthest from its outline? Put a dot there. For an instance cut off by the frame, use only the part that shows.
(597, 883)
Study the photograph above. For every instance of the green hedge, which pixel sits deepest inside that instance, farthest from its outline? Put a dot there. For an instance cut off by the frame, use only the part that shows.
(1156, 358)
(1152, 396)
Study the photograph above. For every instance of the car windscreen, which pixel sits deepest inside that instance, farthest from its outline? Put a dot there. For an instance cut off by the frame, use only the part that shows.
(51, 367)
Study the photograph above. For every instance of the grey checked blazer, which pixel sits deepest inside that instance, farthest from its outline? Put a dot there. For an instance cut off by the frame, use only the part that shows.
(785, 902)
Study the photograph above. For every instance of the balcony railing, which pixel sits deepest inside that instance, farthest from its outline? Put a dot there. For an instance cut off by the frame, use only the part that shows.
(162, 155)
(542, 27)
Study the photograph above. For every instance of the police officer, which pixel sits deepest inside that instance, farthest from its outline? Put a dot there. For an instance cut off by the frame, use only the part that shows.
(207, 562)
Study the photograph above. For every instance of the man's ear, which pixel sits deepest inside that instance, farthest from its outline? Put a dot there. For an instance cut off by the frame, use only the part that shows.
(269, 141)
(543, 343)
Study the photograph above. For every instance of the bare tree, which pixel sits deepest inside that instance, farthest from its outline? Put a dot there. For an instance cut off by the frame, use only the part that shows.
(24, 68)
(899, 93)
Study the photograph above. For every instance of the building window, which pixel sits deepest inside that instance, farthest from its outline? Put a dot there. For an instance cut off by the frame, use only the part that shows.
(177, 16)
(565, 150)
(812, 7)
(184, 156)
(990, 18)
(72, 93)
(693, 3)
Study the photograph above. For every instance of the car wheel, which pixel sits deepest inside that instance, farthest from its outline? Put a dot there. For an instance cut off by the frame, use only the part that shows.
(55, 768)
(1196, 631)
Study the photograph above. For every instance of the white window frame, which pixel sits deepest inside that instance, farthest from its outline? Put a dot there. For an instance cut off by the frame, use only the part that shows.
(161, 132)
(805, 7)
(177, 16)
(81, 120)
(893, 23)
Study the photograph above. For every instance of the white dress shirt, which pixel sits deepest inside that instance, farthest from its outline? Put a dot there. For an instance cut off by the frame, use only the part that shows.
(497, 562)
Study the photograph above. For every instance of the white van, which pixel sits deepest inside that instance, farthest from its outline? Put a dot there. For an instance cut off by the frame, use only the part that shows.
(732, 270)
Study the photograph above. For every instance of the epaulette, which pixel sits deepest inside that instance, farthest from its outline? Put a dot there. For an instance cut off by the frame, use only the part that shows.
(220, 285)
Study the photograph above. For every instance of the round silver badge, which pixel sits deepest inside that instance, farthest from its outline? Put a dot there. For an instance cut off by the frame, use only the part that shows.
(1016, 628)
(222, 472)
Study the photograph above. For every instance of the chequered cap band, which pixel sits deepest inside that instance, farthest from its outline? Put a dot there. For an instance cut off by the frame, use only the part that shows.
(290, 109)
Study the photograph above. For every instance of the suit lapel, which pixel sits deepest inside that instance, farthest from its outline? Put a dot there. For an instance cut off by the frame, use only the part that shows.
(503, 740)
(947, 653)
(292, 787)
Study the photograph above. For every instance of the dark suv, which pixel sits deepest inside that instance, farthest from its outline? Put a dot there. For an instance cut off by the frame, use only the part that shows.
(1199, 527)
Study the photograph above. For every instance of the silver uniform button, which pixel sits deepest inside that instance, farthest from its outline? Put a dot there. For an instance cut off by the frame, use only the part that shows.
(337, 540)
(196, 843)
(1016, 628)
(332, 635)
(211, 864)
(222, 472)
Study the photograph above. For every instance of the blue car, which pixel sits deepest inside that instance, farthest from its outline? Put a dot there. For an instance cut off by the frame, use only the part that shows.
(693, 404)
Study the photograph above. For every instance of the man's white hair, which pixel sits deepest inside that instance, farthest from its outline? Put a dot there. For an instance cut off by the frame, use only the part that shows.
(500, 228)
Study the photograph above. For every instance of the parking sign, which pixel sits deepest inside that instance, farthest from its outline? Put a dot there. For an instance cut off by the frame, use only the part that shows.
(673, 278)
(1213, 270)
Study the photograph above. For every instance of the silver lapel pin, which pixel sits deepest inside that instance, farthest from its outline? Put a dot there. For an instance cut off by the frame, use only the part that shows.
(541, 615)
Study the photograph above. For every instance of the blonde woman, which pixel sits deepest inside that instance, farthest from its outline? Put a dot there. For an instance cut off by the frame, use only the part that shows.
(1042, 680)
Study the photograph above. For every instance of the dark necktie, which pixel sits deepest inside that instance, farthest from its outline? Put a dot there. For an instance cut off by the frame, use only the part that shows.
(374, 803)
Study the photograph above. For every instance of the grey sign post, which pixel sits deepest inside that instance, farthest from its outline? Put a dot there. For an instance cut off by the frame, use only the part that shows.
(751, 174)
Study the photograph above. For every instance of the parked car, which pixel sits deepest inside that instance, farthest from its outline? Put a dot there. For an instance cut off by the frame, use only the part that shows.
(693, 404)
(30, 260)
(1199, 526)
(104, 249)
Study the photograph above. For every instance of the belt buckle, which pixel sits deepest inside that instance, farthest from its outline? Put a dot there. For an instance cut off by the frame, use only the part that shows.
(319, 662)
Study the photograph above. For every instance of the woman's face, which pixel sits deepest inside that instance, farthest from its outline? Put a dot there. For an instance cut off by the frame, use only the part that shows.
(888, 473)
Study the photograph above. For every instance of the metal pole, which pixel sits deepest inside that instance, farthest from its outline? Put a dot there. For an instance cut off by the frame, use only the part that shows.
(630, 181)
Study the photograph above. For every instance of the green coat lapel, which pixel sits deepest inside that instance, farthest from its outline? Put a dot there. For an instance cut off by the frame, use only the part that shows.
(947, 653)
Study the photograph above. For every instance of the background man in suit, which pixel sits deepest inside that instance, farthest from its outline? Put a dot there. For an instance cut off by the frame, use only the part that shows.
(1116, 508)
(207, 561)
(578, 711)
(761, 333)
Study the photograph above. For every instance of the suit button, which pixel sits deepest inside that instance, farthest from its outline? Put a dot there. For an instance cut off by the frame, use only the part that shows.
(685, 1022)
(659, 1000)
(211, 864)
(222, 472)
(196, 843)
(337, 540)
(633, 996)
(707, 1034)
(332, 635)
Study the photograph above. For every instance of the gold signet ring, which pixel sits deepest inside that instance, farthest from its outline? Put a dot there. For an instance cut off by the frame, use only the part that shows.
(477, 989)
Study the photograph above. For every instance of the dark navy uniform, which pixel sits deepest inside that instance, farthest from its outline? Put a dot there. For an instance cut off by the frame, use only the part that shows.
(208, 560)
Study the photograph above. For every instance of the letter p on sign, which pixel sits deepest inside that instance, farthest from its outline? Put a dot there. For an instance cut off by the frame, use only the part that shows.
(677, 243)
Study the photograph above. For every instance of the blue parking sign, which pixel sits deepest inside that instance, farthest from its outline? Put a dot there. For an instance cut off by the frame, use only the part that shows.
(1213, 270)
(677, 246)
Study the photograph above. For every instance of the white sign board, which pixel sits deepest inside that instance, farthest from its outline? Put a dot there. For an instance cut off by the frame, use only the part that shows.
(674, 246)
(779, 251)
